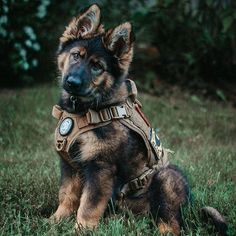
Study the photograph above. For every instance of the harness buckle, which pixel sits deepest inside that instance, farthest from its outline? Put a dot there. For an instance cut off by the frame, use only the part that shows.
(118, 112)
(141, 181)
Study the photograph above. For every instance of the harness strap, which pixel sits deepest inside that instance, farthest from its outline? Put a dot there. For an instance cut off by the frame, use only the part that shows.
(94, 117)
(108, 114)
(132, 89)
(139, 185)
(57, 112)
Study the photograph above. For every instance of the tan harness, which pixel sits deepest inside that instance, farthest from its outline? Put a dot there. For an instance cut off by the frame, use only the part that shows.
(71, 126)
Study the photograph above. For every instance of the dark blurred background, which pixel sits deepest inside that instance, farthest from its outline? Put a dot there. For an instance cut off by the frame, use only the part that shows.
(186, 43)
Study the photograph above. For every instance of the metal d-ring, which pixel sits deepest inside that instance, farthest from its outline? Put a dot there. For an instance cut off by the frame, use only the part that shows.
(74, 101)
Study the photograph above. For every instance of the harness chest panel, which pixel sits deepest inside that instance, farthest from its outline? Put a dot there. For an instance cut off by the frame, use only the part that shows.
(79, 125)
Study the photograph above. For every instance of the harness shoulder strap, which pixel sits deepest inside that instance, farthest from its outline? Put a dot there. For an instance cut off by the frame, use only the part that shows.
(132, 89)
(57, 112)
(138, 122)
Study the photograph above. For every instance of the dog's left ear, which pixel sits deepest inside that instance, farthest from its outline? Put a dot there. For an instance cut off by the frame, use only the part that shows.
(86, 25)
(119, 40)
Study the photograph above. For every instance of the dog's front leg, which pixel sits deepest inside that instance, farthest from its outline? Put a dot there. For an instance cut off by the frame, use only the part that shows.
(69, 193)
(96, 194)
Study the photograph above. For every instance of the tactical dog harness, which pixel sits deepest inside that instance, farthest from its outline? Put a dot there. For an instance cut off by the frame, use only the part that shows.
(71, 126)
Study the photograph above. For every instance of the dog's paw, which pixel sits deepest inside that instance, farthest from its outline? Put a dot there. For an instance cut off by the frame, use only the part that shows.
(167, 229)
(53, 219)
(85, 225)
(60, 213)
(78, 227)
(164, 228)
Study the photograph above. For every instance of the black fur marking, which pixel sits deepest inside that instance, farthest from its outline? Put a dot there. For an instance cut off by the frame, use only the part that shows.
(74, 151)
(105, 132)
(96, 192)
(91, 171)
(66, 170)
(131, 154)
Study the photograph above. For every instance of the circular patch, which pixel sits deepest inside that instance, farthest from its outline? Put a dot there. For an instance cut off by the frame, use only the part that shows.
(66, 126)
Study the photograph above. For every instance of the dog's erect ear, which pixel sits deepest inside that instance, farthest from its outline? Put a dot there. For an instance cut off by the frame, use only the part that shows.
(86, 25)
(119, 40)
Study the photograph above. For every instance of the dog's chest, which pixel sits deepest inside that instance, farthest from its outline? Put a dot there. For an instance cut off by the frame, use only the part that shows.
(101, 142)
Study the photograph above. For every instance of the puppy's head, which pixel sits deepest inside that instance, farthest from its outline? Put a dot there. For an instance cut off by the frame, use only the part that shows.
(93, 62)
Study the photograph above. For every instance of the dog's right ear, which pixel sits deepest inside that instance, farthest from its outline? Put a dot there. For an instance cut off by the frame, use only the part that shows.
(86, 25)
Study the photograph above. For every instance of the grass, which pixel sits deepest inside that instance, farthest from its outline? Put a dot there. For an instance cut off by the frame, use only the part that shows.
(202, 134)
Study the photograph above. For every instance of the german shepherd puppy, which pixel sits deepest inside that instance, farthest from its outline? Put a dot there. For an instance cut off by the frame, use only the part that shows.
(94, 65)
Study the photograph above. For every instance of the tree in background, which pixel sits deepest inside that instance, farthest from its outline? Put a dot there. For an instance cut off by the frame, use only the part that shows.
(29, 32)
(191, 42)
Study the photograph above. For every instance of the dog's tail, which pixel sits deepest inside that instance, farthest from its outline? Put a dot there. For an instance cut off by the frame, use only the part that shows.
(217, 219)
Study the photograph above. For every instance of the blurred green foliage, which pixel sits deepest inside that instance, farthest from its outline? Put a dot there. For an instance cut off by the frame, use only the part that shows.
(188, 41)
(196, 39)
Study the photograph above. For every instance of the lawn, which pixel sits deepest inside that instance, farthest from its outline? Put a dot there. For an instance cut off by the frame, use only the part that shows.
(202, 133)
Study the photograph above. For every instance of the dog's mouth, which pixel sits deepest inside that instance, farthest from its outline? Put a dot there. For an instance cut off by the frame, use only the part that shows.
(86, 95)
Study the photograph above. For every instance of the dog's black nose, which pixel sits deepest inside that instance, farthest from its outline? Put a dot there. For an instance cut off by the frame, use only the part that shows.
(73, 82)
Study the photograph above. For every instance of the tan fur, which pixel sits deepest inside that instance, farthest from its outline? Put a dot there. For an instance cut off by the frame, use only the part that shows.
(109, 80)
(69, 197)
(86, 25)
(168, 187)
(113, 37)
(91, 146)
(81, 50)
(120, 95)
(125, 60)
(63, 59)
(88, 215)
(106, 78)
(164, 228)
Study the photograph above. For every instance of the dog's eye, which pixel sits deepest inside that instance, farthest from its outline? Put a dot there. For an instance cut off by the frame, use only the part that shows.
(76, 56)
(96, 69)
